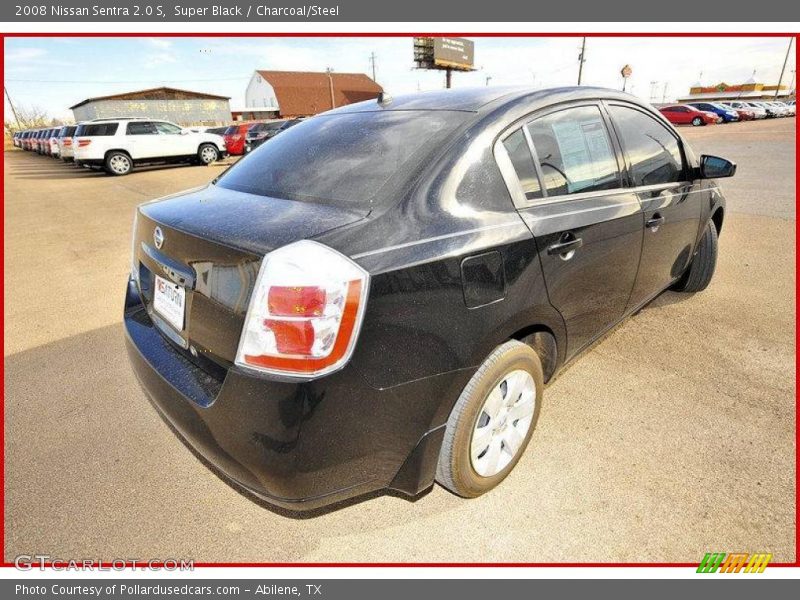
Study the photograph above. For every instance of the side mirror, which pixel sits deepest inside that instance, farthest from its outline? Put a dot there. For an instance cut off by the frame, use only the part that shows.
(185, 132)
(714, 167)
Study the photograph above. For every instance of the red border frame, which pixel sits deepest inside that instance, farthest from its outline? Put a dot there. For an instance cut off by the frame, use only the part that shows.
(107, 565)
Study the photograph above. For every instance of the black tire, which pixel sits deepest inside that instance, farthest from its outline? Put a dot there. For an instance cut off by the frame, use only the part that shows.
(207, 154)
(697, 121)
(701, 270)
(118, 163)
(455, 470)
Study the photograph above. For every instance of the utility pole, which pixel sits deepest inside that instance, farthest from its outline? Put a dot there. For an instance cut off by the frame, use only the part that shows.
(329, 71)
(13, 110)
(372, 62)
(581, 60)
(783, 68)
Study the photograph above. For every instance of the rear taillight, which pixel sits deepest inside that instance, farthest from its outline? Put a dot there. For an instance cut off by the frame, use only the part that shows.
(68, 141)
(305, 312)
(83, 143)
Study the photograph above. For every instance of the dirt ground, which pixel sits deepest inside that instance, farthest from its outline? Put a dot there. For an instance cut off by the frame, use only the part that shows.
(673, 436)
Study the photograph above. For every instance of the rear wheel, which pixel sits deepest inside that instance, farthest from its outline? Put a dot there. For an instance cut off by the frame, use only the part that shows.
(697, 121)
(118, 163)
(492, 421)
(207, 154)
(700, 272)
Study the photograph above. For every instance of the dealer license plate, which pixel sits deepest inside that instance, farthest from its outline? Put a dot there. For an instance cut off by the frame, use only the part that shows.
(169, 301)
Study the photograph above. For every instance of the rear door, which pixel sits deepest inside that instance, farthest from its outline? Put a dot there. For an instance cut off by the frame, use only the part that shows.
(172, 140)
(681, 115)
(142, 139)
(588, 227)
(671, 202)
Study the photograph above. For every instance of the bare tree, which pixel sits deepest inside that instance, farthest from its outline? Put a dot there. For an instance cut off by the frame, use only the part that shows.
(29, 116)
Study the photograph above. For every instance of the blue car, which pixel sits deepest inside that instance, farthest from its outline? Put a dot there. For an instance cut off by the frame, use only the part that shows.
(727, 114)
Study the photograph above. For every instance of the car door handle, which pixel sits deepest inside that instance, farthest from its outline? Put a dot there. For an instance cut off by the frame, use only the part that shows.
(654, 222)
(565, 247)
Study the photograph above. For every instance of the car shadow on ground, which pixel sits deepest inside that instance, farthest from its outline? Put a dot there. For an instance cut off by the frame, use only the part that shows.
(55, 169)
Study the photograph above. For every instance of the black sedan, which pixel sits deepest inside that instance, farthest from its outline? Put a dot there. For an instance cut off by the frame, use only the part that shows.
(377, 298)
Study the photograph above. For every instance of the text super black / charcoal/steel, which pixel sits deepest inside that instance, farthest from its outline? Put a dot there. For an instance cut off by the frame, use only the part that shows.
(376, 298)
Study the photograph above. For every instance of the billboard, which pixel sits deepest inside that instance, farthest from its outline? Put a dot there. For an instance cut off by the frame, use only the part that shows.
(444, 53)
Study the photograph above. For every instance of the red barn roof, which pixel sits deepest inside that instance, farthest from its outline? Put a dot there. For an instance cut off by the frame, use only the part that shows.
(308, 93)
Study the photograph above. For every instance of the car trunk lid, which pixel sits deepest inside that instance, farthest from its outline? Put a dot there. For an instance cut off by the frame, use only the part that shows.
(204, 248)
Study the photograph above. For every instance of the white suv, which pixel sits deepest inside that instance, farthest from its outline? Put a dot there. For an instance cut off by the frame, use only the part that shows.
(118, 145)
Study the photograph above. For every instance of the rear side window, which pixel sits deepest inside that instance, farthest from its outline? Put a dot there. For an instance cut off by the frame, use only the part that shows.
(231, 130)
(520, 154)
(164, 128)
(653, 150)
(97, 129)
(342, 159)
(141, 128)
(267, 126)
(574, 151)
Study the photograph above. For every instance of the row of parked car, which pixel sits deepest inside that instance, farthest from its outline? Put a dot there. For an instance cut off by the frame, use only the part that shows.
(245, 137)
(119, 145)
(708, 113)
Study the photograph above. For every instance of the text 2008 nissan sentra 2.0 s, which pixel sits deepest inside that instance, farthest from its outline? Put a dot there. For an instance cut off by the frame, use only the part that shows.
(375, 298)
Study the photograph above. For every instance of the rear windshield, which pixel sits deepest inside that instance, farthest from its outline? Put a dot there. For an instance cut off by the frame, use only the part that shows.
(341, 159)
(68, 131)
(97, 129)
(231, 130)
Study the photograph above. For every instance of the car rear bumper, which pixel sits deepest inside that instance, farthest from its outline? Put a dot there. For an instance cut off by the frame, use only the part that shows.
(299, 446)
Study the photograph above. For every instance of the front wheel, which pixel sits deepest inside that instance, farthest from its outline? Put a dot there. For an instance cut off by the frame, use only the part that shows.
(492, 421)
(701, 270)
(697, 121)
(118, 163)
(207, 154)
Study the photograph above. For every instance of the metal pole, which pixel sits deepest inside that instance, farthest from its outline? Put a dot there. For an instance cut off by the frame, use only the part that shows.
(624, 83)
(372, 62)
(581, 60)
(13, 110)
(330, 79)
(448, 78)
(783, 68)
(664, 94)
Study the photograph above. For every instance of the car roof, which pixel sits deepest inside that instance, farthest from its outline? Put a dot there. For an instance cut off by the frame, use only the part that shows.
(481, 98)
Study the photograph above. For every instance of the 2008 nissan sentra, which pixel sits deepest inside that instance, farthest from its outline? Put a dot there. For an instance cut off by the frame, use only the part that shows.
(376, 298)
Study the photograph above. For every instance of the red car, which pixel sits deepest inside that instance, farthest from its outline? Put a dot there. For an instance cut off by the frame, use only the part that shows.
(682, 114)
(234, 138)
(744, 115)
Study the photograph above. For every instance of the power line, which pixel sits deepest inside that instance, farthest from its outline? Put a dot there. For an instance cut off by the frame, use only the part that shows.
(127, 81)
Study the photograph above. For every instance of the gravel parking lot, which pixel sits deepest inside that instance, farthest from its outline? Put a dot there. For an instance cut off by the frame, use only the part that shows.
(671, 437)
